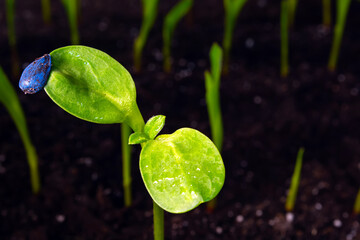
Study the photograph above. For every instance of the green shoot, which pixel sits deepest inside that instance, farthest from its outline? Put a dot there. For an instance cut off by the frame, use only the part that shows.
(126, 164)
(326, 12)
(295, 180)
(284, 35)
(212, 86)
(12, 104)
(171, 20)
(180, 170)
(292, 11)
(46, 10)
(357, 203)
(342, 10)
(149, 16)
(71, 7)
(232, 11)
(10, 19)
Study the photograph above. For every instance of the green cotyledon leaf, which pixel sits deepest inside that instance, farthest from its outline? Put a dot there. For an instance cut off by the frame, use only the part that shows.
(91, 85)
(182, 170)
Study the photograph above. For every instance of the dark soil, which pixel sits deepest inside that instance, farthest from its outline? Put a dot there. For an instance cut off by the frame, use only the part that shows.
(266, 120)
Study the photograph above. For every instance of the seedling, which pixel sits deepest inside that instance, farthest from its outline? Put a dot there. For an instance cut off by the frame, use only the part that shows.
(71, 7)
(232, 10)
(292, 11)
(180, 170)
(46, 10)
(326, 12)
(342, 10)
(284, 35)
(10, 19)
(212, 86)
(149, 16)
(12, 104)
(295, 180)
(171, 20)
(357, 203)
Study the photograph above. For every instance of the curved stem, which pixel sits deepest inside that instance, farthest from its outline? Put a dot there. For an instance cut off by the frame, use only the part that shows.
(126, 164)
(136, 122)
(158, 222)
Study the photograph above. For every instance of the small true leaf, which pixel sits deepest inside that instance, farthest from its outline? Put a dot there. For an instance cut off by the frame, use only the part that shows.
(138, 137)
(91, 85)
(182, 170)
(154, 125)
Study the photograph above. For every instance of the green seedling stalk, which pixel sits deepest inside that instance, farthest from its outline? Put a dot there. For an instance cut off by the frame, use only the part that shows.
(71, 7)
(11, 102)
(232, 10)
(292, 11)
(46, 11)
(126, 164)
(171, 20)
(342, 11)
(326, 13)
(357, 203)
(284, 35)
(180, 170)
(295, 180)
(158, 222)
(10, 19)
(149, 16)
(212, 86)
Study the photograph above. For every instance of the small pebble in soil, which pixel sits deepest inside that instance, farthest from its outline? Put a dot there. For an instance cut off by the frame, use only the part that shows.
(219, 230)
(262, 3)
(289, 217)
(345, 215)
(257, 100)
(239, 218)
(341, 78)
(318, 206)
(94, 176)
(2, 170)
(60, 218)
(157, 55)
(86, 161)
(107, 191)
(4, 212)
(103, 25)
(259, 213)
(354, 91)
(337, 223)
(314, 231)
(249, 43)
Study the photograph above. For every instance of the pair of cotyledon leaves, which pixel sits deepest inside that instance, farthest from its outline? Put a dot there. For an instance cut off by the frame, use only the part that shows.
(180, 170)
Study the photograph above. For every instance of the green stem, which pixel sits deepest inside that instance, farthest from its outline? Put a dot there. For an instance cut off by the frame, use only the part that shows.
(46, 11)
(10, 19)
(136, 122)
(357, 203)
(167, 58)
(342, 10)
(295, 180)
(34, 167)
(326, 12)
(75, 39)
(284, 27)
(158, 222)
(292, 11)
(126, 164)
